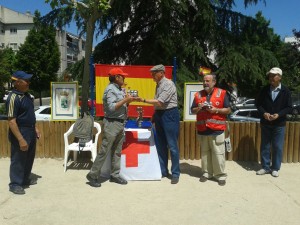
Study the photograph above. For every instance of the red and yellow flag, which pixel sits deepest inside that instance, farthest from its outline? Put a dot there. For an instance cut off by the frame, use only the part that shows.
(139, 78)
(204, 70)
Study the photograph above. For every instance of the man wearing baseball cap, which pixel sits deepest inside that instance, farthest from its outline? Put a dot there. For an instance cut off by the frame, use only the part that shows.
(274, 102)
(115, 103)
(22, 133)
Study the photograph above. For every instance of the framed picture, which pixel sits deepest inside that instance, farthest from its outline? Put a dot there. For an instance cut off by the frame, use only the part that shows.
(189, 91)
(64, 101)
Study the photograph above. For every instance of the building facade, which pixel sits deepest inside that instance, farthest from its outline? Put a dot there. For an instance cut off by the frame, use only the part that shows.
(14, 28)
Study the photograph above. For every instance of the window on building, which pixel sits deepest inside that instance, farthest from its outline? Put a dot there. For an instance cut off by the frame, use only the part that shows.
(83, 46)
(13, 30)
(14, 46)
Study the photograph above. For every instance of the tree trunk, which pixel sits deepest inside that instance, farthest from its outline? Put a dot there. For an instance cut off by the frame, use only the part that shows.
(86, 74)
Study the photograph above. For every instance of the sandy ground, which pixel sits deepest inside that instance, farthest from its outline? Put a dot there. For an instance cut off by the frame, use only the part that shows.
(65, 198)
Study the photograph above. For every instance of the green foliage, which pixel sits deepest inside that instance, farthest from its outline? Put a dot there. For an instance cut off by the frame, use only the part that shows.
(152, 32)
(2, 109)
(76, 71)
(158, 31)
(289, 60)
(7, 60)
(40, 56)
(238, 48)
(86, 13)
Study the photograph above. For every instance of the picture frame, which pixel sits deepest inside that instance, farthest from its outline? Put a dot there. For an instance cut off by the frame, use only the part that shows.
(64, 101)
(190, 88)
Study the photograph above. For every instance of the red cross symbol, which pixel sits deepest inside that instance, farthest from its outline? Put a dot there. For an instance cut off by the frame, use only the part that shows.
(133, 147)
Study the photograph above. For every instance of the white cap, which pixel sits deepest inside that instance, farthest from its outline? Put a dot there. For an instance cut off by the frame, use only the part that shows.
(275, 70)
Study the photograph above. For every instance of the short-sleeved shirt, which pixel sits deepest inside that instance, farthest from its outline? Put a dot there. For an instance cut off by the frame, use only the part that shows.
(166, 93)
(112, 95)
(20, 105)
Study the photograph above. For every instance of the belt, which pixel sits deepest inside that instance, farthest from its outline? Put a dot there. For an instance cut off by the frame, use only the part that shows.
(26, 125)
(162, 110)
(114, 119)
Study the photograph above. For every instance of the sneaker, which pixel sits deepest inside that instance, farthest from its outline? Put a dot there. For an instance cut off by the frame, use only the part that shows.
(275, 173)
(262, 172)
(18, 190)
(221, 182)
(118, 180)
(92, 181)
(174, 180)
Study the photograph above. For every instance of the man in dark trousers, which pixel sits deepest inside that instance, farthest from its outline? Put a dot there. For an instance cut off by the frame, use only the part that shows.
(22, 133)
(274, 102)
(166, 119)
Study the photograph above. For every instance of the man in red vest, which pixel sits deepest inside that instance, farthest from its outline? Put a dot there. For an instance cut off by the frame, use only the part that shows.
(211, 106)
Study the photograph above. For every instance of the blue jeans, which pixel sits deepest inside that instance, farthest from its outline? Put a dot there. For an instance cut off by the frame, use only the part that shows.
(272, 140)
(167, 131)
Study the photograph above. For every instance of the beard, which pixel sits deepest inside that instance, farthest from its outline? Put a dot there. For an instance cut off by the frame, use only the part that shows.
(206, 87)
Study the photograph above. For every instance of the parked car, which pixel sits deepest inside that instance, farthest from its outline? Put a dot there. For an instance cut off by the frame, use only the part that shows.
(247, 104)
(296, 108)
(89, 103)
(43, 112)
(245, 115)
(240, 99)
(5, 95)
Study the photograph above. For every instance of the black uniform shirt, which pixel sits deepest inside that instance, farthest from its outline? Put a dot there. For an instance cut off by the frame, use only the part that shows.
(20, 106)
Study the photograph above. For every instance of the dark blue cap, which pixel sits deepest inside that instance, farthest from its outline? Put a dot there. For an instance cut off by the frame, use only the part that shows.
(21, 75)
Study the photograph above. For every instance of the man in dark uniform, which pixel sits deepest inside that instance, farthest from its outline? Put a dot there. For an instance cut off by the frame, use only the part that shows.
(22, 133)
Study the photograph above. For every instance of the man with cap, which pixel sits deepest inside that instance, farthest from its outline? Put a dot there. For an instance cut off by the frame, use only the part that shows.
(22, 133)
(115, 103)
(274, 102)
(166, 119)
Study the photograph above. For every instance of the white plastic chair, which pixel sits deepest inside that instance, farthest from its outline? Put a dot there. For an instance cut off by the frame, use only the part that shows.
(90, 146)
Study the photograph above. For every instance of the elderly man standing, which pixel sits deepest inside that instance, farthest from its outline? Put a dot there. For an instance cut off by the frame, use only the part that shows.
(166, 119)
(22, 133)
(274, 102)
(211, 106)
(115, 104)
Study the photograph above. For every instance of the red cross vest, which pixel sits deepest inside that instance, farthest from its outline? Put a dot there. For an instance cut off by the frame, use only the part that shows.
(205, 119)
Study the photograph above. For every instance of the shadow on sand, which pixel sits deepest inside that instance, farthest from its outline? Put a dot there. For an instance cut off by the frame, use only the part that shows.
(193, 171)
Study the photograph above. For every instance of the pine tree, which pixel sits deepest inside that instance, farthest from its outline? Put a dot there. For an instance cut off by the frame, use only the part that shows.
(39, 55)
